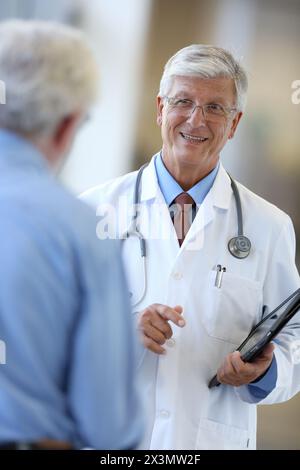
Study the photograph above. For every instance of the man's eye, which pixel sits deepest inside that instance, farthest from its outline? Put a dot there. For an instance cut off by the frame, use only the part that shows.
(214, 108)
(183, 103)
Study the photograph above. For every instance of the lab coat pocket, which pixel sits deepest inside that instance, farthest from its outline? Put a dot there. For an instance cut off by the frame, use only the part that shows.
(231, 310)
(219, 436)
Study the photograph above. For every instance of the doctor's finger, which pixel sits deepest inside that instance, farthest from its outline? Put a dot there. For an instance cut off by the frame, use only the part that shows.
(150, 316)
(231, 369)
(245, 372)
(171, 314)
(236, 362)
(162, 325)
(154, 334)
(223, 372)
(152, 345)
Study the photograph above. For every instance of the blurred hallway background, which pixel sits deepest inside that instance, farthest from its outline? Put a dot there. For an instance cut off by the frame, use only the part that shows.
(133, 39)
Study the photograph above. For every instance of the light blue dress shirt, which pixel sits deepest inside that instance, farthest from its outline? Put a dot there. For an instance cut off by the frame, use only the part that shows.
(171, 189)
(64, 315)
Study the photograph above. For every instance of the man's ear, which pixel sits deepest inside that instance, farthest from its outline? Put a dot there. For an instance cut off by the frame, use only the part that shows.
(234, 124)
(159, 108)
(65, 131)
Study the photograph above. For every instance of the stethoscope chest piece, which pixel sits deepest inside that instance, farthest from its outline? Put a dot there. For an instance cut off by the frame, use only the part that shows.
(239, 246)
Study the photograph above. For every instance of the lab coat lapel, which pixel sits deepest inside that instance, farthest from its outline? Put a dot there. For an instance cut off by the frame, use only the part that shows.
(218, 197)
(159, 225)
(149, 183)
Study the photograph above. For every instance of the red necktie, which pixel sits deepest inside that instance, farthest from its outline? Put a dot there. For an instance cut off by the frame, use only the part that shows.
(181, 213)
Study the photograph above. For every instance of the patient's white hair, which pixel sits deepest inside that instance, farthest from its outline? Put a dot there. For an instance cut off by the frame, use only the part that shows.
(206, 62)
(49, 72)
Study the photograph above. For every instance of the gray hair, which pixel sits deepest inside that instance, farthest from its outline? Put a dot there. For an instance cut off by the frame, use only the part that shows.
(49, 71)
(206, 62)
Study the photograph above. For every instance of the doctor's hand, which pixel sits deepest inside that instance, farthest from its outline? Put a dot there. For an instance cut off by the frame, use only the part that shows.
(234, 371)
(154, 325)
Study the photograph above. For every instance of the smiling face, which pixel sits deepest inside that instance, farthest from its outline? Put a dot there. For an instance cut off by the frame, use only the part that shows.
(192, 144)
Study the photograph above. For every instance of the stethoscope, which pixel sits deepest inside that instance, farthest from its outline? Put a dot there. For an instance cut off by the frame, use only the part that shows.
(239, 246)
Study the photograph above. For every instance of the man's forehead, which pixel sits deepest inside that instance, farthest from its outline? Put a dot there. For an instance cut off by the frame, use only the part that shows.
(194, 84)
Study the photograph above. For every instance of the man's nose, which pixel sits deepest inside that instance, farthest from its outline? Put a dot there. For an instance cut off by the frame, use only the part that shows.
(197, 116)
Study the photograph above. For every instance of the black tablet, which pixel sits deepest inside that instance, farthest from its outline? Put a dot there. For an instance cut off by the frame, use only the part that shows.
(265, 331)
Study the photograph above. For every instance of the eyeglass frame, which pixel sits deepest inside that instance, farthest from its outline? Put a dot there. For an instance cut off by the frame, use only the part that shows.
(226, 115)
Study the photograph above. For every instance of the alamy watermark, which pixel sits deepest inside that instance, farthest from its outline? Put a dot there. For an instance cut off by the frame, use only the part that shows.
(119, 221)
(2, 352)
(2, 92)
(295, 96)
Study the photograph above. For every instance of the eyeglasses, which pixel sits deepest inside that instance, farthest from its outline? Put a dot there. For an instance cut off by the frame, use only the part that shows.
(212, 112)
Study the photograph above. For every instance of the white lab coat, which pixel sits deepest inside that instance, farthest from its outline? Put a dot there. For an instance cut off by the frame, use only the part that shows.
(182, 413)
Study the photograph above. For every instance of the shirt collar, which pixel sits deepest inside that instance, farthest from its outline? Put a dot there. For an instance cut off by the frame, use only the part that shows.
(220, 194)
(171, 189)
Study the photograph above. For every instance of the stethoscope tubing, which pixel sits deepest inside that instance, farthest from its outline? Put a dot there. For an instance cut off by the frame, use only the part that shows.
(239, 246)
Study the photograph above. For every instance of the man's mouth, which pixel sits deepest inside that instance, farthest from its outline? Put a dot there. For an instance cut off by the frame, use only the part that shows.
(193, 138)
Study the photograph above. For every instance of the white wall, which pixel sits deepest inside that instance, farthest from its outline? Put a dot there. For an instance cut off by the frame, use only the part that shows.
(234, 30)
(104, 148)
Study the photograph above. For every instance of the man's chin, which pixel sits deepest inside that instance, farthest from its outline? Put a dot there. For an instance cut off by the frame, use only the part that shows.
(190, 158)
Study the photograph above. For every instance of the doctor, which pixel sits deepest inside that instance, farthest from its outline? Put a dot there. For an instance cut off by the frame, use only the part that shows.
(198, 291)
